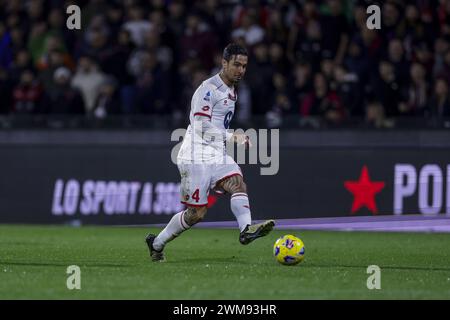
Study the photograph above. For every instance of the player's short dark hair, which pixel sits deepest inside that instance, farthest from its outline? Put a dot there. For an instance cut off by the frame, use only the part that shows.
(233, 49)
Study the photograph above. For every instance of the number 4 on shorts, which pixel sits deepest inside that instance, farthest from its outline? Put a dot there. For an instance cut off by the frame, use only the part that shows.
(195, 195)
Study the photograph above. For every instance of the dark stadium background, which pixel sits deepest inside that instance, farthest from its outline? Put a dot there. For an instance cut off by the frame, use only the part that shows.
(358, 153)
(95, 108)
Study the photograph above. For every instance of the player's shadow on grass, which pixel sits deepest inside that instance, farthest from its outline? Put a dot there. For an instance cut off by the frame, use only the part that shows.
(61, 264)
(381, 267)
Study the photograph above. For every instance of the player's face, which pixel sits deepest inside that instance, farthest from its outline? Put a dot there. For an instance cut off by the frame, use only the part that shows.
(234, 69)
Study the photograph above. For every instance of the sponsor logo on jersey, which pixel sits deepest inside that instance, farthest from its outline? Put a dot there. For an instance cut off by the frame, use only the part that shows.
(207, 96)
(227, 120)
(225, 102)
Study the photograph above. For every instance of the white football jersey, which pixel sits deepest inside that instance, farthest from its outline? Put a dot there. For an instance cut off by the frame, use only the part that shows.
(215, 101)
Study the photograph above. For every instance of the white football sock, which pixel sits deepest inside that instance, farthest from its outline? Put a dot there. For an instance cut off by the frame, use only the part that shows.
(241, 209)
(173, 229)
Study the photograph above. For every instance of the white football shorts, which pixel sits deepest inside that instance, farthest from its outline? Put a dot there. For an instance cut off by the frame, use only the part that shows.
(198, 179)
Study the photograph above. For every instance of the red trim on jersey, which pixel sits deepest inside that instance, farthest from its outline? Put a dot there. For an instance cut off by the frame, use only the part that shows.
(194, 205)
(202, 114)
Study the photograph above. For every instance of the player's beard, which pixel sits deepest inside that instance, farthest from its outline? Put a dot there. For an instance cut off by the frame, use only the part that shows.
(233, 79)
(237, 79)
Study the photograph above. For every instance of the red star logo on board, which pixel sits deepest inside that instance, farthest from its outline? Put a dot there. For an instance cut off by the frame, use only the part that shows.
(364, 191)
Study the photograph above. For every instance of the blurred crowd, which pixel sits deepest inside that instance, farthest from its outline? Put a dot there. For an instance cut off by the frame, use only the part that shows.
(307, 58)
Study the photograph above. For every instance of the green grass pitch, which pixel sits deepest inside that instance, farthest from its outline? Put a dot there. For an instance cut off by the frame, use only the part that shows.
(211, 264)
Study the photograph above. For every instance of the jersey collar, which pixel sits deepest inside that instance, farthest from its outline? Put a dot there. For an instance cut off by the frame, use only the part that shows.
(223, 83)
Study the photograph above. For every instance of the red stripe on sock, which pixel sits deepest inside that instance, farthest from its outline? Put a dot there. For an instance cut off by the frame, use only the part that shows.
(240, 194)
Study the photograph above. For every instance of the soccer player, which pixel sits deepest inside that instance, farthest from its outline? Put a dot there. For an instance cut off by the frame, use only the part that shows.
(202, 159)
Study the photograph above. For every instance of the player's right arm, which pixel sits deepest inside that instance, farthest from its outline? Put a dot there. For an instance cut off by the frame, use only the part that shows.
(203, 102)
